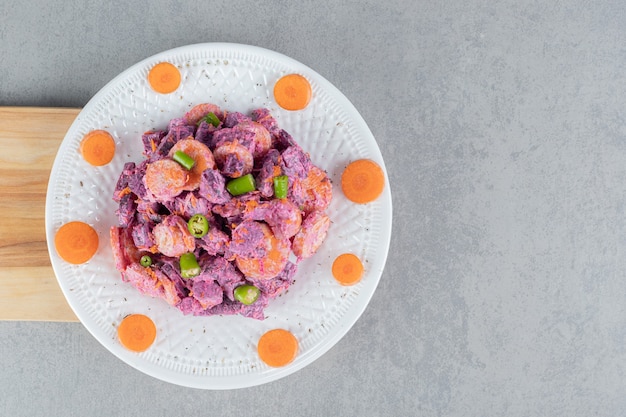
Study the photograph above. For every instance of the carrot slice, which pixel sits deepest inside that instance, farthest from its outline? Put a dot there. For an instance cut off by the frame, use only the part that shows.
(136, 332)
(202, 156)
(269, 266)
(277, 347)
(98, 147)
(76, 242)
(164, 78)
(165, 178)
(347, 269)
(292, 92)
(362, 181)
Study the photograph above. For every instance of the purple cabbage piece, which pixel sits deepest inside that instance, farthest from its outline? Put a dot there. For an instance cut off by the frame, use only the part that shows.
(244, 137)
(135, 180)
(227, 308)
(279, 284)
(149, 211)
(235, 118)
(122, 181)
(190, 305)
(233, 165)
(151, 142)
(175, 133)
(223, 272)
(196, 204)
(282, 140)
(247, 240)
(204, 133)
(256, 310)
(169, 267)
(215, 242)
(213, 187)
(222, 136)
(131, 179)
(187, 204)
(265, 177)
(142, 236)
(232, 211)
(207, 292)
(295, 162)
(176, 122)
(126, 210)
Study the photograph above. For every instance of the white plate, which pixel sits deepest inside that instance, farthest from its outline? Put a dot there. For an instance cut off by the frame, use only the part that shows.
(218, 352)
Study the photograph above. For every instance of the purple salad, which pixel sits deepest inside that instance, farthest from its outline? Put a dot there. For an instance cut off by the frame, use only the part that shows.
(220, 212)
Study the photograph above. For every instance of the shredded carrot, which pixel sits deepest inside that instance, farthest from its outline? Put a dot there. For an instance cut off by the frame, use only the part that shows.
(347, 269)
(136, 332)
(98, 147)
(277, 347)
(362, 181)
(164, 78)
(123, 192)
(292, 92)
(76, 242)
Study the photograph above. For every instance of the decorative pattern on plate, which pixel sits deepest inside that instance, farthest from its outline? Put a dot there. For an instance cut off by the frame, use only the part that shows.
(218, 352)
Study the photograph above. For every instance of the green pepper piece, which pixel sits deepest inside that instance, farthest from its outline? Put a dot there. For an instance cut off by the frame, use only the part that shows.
(185, 160)
(247, 294)
(281, 185)
(241, 185)
(211, 119)
(145, 260)
(198, 225)
(189, 267)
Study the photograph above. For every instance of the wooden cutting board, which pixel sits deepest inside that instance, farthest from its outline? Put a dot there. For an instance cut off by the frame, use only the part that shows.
(29, 140)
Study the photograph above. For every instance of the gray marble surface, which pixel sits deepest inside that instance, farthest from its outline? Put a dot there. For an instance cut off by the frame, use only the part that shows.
(503, 126)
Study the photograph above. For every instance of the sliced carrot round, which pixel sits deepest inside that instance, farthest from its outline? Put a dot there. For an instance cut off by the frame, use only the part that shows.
(165, 178)
(292, 92)
(76, 242)
(202, 156)
(347, 269)
(164, 78)
(98, 147)
(264, 267)
(136, 332)
(362, 181)
(277, 347)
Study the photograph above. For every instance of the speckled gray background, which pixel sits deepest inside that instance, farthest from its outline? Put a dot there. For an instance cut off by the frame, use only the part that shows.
(503, 128)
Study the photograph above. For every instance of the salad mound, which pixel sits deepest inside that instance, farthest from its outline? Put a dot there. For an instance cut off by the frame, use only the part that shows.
(220, 212)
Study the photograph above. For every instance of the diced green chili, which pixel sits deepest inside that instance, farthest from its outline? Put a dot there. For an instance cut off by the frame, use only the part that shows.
(145, 260)
(189, 267)
(185, 160)
(241, 185)
(211, 119)
(198, 225)
(247, 294)
(281, 185)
